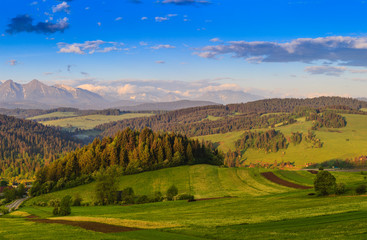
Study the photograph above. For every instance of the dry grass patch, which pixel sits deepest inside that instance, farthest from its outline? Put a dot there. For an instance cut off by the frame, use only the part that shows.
(19, 214)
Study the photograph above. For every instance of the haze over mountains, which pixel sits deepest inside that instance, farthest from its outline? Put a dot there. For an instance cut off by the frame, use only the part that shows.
(36, 94)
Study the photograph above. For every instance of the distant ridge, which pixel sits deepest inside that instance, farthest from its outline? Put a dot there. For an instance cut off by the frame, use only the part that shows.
(37, 95)
(168, 106)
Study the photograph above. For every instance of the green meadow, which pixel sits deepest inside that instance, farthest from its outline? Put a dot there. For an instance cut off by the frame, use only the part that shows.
(54, 115)
(91, 121)
(341, 143)
(258, 208)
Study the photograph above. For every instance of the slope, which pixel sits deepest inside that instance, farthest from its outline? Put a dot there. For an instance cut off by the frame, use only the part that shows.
(203, 181)
(343, 143)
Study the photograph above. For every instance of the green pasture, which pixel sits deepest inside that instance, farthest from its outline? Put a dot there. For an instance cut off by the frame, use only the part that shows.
(258, 209)
(203, 181)
(341, 143)
(90, 121)
(54, 115)
(293, 215)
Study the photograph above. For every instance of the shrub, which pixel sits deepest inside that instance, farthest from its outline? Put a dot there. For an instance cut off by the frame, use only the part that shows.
(361, 189)
(63, 209)
(340, 188)
(77, 201)
(185, 196)
(172, 192)
(54, 203)
(4, 210)
(324, 183)
(127, 195)
(158, 197)
(142, 199)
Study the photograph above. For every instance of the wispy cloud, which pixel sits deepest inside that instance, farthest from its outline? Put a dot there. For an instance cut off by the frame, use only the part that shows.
(342, 50)
(162, 46)
(24, 23)
(13, 62)
(185, 2)
(160, 62)
(161, 19)
(326, 70)
(89, 47)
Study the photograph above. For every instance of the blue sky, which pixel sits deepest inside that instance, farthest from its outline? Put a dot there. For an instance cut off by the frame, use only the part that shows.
(272, 48)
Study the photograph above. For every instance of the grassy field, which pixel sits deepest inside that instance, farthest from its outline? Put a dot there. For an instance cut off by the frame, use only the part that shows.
(90, 121)
(348, 142)
(54, 115)
(203, 181)
(261, 210)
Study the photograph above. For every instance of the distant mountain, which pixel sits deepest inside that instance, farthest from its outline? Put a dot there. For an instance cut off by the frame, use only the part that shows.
(36, 94)
(229, 96)
(167, 106)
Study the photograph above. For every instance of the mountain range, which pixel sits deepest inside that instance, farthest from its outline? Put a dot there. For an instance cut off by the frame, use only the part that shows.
(37, 95)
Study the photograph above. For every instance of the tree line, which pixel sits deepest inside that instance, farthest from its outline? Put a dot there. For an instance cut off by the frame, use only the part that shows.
(25, 146)
(133, 151)
(233, 117)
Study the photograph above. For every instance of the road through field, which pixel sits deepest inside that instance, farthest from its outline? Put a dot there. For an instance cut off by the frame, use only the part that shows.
(14, 205)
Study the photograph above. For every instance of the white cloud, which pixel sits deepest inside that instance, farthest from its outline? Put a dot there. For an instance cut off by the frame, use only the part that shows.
(161, 19)
(62, 7)
(144, 18)
(215, 40)
(118, 19)
(162, 46)
(160, 62)
(89, 47)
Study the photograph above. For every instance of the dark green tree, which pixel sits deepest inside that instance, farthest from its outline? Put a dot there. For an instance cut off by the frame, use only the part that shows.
(172, 192)
(324, 183)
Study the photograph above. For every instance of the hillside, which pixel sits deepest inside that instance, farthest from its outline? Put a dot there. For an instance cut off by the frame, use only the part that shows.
(221, 119)
(203, 181)
(343, 143)
(25, 146)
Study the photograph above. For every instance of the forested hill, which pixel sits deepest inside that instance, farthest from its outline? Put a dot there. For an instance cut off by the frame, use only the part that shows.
(132, 151)
(220, 119)
(26, 145)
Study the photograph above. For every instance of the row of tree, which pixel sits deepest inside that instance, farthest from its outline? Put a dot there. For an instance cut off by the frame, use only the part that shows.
(25, 146)
(246, 116)
(133, 151)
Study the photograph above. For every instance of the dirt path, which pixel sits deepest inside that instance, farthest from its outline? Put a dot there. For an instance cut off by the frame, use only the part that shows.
(272, 177)
(93, 226)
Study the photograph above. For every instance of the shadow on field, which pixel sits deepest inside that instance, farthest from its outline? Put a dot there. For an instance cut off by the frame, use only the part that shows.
(93, 226)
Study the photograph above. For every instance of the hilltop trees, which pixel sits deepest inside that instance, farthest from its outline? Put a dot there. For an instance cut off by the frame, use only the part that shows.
(131, 151)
